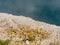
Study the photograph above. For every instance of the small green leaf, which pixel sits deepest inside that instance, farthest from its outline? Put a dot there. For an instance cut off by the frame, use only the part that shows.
(1, 42)
(6, 42)
(31, 38)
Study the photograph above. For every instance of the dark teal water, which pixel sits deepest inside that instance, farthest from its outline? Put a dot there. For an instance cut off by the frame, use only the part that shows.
(42, 10)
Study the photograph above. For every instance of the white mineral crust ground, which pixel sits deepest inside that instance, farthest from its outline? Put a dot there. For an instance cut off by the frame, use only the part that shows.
(7, 20)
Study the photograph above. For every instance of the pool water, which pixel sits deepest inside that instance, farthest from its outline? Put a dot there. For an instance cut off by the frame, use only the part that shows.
(42, 10)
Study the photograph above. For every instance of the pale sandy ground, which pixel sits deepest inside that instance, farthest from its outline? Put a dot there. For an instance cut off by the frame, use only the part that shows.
(8, 20)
